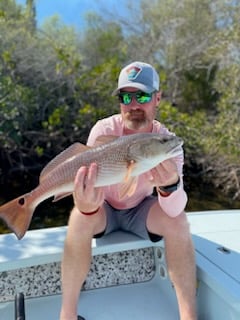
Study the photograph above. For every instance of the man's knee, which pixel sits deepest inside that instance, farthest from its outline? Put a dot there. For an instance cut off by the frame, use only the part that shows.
(178, 226)
(159, 222)
(87, 225)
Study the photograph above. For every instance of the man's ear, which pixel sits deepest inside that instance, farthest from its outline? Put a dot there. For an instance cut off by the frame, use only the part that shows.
(159, 95)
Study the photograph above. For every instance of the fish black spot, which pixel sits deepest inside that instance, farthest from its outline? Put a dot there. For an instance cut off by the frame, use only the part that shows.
(21, 201)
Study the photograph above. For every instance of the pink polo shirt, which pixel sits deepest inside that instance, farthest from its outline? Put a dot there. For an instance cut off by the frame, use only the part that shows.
(172, 205)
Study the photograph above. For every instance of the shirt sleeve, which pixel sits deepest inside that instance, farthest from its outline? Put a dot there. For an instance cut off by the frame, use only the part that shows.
(176, 202)
(96, 131)
(105, 127)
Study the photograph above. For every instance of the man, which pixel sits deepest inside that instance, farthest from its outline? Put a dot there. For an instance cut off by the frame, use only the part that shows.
(97, 209)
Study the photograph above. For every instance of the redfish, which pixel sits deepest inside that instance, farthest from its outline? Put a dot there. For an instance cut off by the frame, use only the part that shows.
(119, 160)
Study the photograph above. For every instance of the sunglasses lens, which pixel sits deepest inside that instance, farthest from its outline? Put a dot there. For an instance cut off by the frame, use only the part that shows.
(143, 97)
(125, 98)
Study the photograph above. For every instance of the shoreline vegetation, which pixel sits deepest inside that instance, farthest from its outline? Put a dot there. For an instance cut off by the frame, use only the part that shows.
(56, 82)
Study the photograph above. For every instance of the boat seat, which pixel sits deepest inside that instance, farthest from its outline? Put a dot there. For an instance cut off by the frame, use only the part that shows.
(46, 245)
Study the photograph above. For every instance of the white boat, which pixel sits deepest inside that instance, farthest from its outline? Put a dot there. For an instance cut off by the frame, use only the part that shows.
(128, 277)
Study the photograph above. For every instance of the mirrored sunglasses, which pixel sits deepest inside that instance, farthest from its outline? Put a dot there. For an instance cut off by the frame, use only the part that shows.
(140, 96)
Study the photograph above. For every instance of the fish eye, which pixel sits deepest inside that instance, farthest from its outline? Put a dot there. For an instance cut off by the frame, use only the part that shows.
(21, 201)
(164, 139)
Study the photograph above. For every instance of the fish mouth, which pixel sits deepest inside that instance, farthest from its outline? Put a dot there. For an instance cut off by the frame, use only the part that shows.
(177, 150)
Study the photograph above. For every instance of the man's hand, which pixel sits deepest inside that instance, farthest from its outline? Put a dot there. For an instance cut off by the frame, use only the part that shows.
(86, 197)
(165, 173)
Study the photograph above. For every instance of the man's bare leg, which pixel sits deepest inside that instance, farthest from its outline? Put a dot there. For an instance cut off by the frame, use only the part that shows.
(77, 258)
(180, 257)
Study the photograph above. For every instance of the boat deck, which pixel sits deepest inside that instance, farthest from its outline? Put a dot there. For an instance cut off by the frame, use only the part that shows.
(141, 301)
(128, 278)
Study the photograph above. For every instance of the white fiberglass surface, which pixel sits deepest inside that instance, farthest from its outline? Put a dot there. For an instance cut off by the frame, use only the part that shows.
(152, 300)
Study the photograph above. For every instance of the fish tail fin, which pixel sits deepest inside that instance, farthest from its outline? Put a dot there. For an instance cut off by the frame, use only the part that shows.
(17, 214)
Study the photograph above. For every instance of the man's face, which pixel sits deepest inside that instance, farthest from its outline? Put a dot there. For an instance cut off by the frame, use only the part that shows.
(140, 110)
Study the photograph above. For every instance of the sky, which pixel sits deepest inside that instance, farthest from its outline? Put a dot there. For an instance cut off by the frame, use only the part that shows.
(71, 11)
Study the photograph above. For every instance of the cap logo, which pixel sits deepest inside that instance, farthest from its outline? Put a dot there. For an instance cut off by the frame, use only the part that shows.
(133, 72)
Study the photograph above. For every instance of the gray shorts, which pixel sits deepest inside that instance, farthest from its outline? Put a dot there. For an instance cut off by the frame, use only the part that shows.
(131, 220)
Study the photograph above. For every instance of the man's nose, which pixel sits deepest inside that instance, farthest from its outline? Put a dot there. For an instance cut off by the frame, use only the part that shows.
(134, 103)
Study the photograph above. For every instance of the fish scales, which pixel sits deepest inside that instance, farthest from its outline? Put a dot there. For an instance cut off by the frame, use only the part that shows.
(109, 161)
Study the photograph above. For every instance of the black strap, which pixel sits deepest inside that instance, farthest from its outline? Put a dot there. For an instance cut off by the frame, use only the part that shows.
(170, 188)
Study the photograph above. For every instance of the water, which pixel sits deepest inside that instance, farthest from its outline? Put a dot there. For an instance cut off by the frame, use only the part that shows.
(48, 214)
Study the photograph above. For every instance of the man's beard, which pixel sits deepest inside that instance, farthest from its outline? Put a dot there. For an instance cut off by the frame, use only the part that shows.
(136, 120)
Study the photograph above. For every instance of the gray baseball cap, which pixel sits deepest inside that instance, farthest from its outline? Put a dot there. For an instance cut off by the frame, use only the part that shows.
(139, 75)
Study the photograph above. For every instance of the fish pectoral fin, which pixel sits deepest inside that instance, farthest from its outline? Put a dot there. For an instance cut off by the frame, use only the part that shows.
(66, 154)
(128, 188)
(61, 196)
(130, 166)
(129, 184)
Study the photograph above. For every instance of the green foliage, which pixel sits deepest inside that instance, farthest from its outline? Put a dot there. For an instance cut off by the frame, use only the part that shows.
(190, 127)
(198, 91)
(9, 10)
(55, 82)
(102, 41)
(15, 111)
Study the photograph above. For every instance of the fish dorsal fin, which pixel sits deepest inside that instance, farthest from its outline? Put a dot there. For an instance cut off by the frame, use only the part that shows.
(104, 139)
(127, 188)
(66, 154)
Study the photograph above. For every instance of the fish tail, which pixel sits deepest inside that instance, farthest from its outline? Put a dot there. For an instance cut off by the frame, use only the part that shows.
(17, 214)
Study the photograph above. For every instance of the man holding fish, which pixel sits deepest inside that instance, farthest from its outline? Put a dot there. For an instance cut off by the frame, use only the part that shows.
(130, 205)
